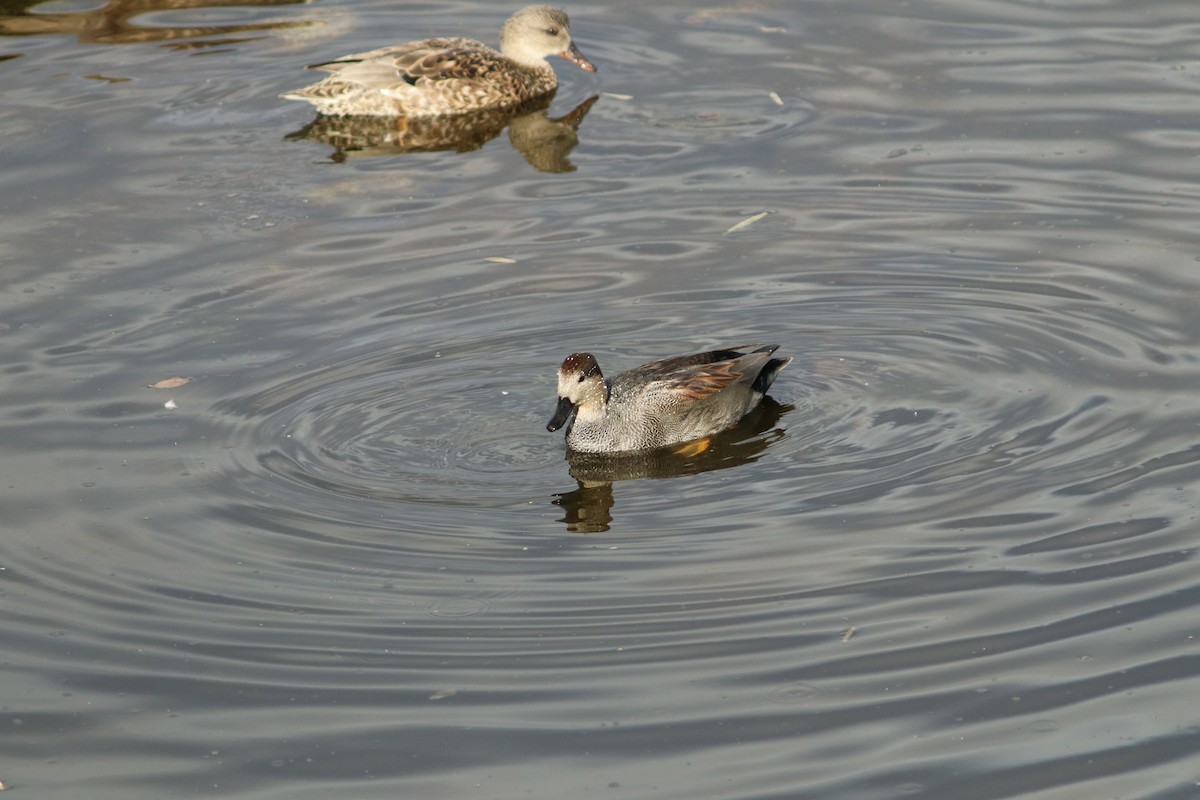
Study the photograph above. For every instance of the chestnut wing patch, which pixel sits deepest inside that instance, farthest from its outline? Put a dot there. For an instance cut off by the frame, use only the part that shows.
(692, 383)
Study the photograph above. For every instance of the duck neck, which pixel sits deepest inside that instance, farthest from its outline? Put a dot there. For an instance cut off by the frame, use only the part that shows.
(529, 59)
(595, 405)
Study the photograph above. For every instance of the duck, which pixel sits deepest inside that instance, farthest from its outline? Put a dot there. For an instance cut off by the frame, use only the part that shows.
(661, 403)
(446, 76)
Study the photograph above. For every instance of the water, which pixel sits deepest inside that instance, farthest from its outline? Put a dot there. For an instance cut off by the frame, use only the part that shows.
(953, 557)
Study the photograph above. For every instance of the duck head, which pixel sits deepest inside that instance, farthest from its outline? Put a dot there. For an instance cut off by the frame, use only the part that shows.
(535, 32)
(580, 385)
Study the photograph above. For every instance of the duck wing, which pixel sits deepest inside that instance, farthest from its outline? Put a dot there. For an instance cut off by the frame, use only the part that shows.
(694, 377)
(427, 60)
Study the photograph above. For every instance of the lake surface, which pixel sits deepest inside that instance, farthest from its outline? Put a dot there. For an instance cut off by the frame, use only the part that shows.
(954, 556)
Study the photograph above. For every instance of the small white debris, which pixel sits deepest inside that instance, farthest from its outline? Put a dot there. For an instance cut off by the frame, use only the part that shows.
(849, 634)
(775, 98)
(170, 404)
(747, 222)
(501, 260)
(616, 96)
(442, 694)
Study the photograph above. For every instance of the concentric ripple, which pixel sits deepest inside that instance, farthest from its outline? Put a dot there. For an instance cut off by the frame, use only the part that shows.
(719, 115)
(390, 428)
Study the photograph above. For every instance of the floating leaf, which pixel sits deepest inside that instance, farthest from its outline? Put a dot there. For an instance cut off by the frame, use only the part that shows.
(169, 383)
(442, 694)
(775, 98)
(747, 222)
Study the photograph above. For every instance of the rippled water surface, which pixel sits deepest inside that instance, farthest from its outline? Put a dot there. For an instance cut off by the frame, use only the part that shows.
(953, 556)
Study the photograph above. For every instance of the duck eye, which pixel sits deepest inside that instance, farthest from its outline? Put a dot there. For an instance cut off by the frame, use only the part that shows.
(580, 379)
(552, 31)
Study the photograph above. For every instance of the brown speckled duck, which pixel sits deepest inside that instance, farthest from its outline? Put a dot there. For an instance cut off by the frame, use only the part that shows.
(437, 77)
(661, 403)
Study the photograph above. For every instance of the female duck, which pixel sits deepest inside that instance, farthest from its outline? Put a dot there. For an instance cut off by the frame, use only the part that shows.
(437, 77)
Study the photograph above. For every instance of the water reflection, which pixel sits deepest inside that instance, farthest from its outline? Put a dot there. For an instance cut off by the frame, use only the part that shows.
(545, 142)
(112, 23)
(589, 507)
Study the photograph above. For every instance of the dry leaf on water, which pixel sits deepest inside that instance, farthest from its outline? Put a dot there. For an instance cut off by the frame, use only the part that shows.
(747, 222)
(169, 383)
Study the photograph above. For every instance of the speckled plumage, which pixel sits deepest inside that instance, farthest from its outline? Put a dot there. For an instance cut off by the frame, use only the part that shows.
(437, 77)
(661, 403)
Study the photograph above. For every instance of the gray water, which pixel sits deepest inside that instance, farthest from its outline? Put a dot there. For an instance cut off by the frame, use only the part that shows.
(953, 557)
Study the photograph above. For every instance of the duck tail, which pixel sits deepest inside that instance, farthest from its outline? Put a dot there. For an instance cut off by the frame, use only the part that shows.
(768, 374)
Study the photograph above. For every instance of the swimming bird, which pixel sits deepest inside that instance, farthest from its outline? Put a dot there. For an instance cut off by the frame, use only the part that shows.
(437, 77)
(662, 402)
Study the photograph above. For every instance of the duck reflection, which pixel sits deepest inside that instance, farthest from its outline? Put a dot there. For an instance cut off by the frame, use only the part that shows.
(545, 142)
(588, 509)
(113, 22)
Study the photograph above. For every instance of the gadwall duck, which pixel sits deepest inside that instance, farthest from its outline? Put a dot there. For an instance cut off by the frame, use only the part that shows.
(661, 403)
(437, 77)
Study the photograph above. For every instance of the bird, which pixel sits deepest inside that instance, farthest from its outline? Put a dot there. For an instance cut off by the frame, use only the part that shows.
(663, 402)
(445, 76)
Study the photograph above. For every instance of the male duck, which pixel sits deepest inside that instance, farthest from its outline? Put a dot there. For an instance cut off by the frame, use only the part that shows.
(437, 77)
(663, 402)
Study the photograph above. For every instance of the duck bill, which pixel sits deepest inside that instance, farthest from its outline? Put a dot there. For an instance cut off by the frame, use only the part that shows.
(573, 55)
(561, 414)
